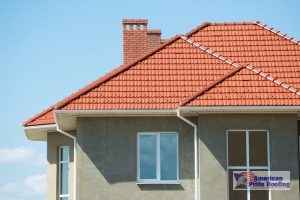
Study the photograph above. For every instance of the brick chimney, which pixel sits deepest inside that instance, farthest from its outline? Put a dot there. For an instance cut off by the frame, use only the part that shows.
(137, 39)
(154, 38)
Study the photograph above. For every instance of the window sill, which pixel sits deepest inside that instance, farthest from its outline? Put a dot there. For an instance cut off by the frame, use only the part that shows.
(160, 183)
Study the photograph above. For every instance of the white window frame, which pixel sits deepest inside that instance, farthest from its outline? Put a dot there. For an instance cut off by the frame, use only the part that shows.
(247, 167)
(60, 170)
(158, 175)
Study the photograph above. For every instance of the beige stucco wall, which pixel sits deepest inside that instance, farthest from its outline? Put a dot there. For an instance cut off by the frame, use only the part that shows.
(107, 148)
(107, 156)
(283, 150)
(54, 141)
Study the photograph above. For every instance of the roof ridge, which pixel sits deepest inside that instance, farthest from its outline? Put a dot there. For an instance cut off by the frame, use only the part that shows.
(210, 52)
(249, 67)
(232, 23)
(214, 84)
(273, 30)
(198, 28)
(273, 79)
(206, 24)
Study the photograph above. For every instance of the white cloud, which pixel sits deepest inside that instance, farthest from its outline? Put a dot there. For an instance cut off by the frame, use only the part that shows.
(22, 155)
(33, 187)
(18, 154)
(40, 160)
(37, 183)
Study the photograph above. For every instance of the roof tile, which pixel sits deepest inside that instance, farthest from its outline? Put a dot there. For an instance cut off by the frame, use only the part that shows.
(145, 84)
(174, 72)
(246, 88)
(253, 44)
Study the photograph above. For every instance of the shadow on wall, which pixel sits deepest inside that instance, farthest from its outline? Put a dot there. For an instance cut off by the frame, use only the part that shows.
(160, 187)
(109, 147)
(54, 141)
(283, 138)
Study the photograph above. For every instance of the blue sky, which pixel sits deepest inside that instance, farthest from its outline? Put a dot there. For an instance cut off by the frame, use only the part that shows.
(50, 49)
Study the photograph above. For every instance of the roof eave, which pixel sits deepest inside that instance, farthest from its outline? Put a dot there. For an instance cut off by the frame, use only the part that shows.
(67, 119)
(39, 133)
(194, 110)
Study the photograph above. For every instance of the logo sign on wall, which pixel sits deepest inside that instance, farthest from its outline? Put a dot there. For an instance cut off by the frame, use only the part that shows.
(261, 180)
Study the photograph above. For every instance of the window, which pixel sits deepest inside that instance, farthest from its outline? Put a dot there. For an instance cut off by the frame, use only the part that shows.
(247, 150)
(64, 172)
(157, 158)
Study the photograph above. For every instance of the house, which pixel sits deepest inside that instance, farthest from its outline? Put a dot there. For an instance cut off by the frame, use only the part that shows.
(179, 117)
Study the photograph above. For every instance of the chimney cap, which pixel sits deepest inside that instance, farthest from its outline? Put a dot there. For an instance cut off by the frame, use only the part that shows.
(154, 31)
(135, 21)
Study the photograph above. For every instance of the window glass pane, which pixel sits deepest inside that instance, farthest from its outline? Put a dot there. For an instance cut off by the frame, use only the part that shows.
(64, 154)
(258, 148)
(235, 194)
(64, 178)
(64, 198)
(147, 156)
(237, 148)
(168, 156)
(259, 194)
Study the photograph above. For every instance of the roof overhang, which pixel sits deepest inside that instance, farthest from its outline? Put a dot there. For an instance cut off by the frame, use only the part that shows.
(66, 119)
(39, 133)
(239, 109)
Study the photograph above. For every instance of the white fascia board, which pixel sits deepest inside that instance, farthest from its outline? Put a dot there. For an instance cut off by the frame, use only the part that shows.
(116, 113)
(238, 109)
(67, 119)
(38, 133)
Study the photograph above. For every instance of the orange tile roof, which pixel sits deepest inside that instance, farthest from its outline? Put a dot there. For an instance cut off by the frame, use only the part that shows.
(220, 64)
(44, 118)
(244, 88)
(261, 46)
